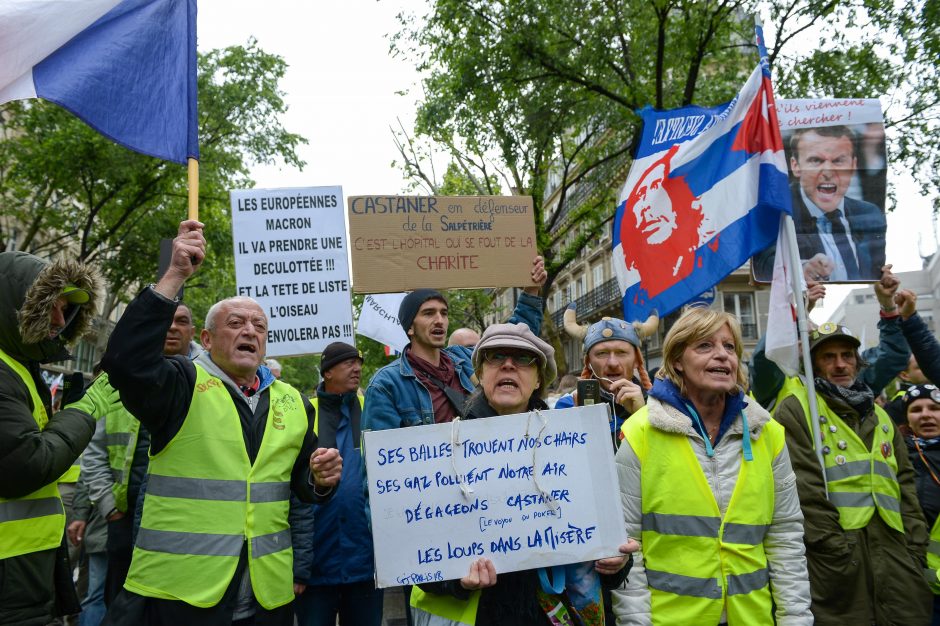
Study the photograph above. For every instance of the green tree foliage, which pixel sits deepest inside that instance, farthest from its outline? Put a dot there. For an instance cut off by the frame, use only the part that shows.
(544, 94)
(64, 187)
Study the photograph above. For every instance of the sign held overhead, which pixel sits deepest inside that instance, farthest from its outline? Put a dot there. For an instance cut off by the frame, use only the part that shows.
(400, 243)
(290, 256)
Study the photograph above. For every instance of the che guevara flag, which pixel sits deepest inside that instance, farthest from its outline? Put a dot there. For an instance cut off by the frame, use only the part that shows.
(125, 67)
(704, 194)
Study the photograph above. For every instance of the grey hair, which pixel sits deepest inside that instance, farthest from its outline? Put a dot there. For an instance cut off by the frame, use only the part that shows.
(215, 308)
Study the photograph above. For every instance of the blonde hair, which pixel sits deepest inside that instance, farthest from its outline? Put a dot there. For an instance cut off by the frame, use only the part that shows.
(694, 325)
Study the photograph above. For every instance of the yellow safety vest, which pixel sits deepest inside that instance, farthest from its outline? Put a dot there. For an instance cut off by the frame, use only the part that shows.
(205, 500)
(444, 610)
(121, 432)
(933, 558)
(36, 521)
(316, 405)
(699, 562)
(860, 480)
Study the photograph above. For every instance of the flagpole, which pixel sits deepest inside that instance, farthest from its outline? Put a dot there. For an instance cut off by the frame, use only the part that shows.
(193, 181)
(803, 327)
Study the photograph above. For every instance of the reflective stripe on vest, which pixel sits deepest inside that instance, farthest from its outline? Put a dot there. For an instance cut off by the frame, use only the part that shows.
(860, 480)
(431, 609)
(205, 499)
(698, 562)
(36, 521)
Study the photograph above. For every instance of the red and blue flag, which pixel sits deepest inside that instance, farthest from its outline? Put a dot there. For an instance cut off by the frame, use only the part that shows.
(705, 193)
(127, 68)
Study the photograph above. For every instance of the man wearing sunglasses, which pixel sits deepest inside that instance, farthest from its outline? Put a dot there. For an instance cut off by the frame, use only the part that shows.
(429, 382)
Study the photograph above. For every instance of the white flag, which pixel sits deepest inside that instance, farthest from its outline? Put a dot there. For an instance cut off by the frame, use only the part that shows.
(783, 341)
(378, 320)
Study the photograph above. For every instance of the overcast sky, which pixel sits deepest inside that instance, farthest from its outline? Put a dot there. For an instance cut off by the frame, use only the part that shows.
(343, 87)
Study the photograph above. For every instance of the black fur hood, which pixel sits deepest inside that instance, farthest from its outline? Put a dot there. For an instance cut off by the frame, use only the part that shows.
(29, 287)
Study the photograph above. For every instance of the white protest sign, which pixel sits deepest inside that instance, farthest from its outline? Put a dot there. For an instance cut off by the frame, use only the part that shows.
(290, 256)
(378, 320)
(539, 489)
(806, 113)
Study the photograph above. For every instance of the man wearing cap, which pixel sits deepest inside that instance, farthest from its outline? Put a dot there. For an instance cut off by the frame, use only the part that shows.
(44, 307)
(229, 445)
(340, 580)
(612, 357)
(429, 382)
(115, 463)
(866, 542)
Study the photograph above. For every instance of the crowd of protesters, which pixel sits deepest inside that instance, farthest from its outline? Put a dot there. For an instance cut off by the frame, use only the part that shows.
(201, 489)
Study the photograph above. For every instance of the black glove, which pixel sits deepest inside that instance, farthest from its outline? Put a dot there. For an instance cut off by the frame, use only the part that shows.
(73, 388)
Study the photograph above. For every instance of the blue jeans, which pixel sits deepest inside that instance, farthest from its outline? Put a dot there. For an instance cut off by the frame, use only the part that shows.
(93, 608)
(357, 604)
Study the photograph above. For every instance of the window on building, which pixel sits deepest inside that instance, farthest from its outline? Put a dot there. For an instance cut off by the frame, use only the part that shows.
(741, 305)
(579, 289)
(860, 299)
(598, 275)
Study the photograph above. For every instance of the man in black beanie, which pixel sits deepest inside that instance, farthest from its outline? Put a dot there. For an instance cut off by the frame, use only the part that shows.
(430, 381)
(336, 580)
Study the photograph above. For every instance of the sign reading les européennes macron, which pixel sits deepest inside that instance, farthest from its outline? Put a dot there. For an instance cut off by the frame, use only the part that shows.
(400, 243)
(290, 256)
(525, 491)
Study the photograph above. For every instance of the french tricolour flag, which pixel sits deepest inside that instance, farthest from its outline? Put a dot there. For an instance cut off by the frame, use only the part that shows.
(125, 67)
(704, 194)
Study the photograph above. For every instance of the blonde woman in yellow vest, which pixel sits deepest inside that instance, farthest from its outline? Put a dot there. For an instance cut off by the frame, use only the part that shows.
(44, 307)
(866, 542)
(229, 444)
(707, 487)
(922, 406)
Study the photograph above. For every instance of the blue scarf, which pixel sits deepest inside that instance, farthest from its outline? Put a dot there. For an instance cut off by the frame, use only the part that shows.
(665, 391)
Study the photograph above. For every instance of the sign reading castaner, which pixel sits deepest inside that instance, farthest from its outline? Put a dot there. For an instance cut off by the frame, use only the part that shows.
(400, 243)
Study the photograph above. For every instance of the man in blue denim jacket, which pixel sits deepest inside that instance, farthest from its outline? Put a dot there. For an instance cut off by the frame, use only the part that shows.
(427, 382)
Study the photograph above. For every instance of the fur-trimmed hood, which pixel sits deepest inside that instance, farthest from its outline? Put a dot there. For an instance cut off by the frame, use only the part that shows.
(29, 288)
(671, 420)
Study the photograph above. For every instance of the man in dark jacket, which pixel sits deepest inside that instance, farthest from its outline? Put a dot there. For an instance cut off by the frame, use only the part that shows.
(340, 581)
(228, 445)
(43, 308)
(115, 463)
(866, 541)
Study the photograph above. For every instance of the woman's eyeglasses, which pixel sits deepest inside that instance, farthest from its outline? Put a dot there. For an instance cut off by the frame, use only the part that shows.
(521, 359)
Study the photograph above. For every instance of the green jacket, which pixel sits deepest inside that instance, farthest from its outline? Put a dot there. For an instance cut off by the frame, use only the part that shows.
(865, 576)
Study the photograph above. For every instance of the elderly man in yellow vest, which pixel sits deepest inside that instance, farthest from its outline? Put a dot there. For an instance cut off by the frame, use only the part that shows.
(866, 542)
(229, 443)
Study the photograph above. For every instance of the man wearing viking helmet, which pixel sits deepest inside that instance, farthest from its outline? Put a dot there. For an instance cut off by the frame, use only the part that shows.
(612, 357)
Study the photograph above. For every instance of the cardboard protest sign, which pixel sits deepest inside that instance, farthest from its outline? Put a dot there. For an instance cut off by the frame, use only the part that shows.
(525, 491)
(838, 173)
(400, 243)
(290, 256)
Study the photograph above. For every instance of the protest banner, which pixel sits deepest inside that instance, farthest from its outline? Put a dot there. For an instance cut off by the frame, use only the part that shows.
(400, 243)
(529, 490)
(378, 319)
(290, 256)
(837, 161)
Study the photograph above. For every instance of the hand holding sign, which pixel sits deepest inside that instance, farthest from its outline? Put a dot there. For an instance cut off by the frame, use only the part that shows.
(539, 276)
(482, 574)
